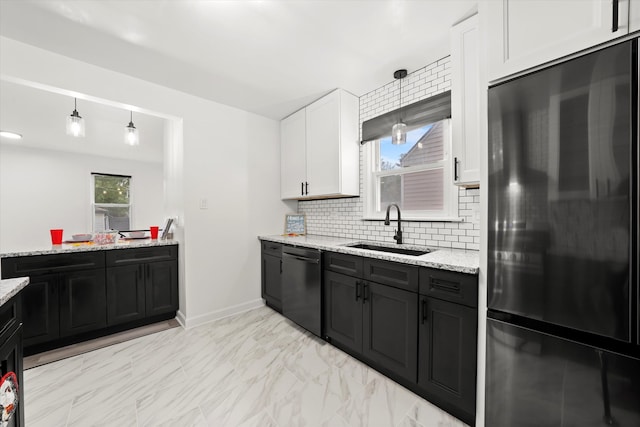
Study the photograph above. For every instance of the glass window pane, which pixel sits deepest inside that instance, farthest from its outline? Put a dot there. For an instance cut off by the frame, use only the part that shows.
(424, 145)
(390, 191)
(112, 189)
(423, 190)
(419, 191)
(111, 218)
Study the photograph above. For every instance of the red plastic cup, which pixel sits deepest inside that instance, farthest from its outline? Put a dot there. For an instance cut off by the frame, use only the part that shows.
(56, 236)
(154, 232)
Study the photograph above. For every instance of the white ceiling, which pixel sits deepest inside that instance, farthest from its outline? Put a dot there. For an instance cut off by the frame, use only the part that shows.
(270, 57)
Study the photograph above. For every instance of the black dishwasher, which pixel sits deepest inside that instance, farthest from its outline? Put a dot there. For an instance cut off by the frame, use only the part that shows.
(302, 287)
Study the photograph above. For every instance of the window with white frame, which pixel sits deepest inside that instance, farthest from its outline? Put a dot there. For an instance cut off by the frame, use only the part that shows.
(416, 175)
(111, 202)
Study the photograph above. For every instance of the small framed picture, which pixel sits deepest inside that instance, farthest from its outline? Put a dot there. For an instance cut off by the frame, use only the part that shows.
(295, 224)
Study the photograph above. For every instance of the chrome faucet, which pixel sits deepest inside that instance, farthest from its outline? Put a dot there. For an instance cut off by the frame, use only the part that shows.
(398, 235)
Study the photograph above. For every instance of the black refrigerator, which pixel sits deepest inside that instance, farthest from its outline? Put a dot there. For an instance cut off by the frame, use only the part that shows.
(563, 329)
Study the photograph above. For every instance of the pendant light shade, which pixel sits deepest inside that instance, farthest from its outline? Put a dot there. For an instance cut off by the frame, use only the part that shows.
(131, 135)
(75, 122)
(399, 133)
(399, 130)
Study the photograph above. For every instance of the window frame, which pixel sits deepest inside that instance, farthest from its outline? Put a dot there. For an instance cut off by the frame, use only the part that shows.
(94, 205)
(371, 190)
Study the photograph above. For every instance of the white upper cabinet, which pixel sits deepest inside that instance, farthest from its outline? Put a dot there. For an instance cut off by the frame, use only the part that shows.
(324, 161)
(293, 154)
(526, 33)
(465, 101)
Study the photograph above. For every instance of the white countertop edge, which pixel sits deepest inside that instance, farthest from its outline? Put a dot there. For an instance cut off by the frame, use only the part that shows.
(10, 287)
(458, 260)
(80, 247)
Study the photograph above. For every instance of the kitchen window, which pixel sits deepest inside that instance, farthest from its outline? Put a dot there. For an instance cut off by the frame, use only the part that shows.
(111, 202)
(416, 175)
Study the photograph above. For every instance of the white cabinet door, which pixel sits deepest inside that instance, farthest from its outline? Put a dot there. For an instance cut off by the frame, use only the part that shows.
(320, 149)
(293, 155)
(323, 145)
(526, 33)
(634, 15)
(465, 101)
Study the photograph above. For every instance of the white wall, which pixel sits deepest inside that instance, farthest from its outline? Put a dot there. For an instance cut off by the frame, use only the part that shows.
(229, 156)
(44, 189)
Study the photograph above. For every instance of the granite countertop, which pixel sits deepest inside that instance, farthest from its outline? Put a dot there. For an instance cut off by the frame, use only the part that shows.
(90, 246)
(459, 260)
(10, 287)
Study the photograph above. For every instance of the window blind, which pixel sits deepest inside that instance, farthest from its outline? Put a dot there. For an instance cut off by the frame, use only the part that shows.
(430, 110)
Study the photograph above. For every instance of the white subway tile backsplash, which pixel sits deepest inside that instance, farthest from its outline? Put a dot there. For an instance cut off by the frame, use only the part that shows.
(343, 217)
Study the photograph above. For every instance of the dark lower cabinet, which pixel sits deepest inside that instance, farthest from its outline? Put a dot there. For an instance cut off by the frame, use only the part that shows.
(40, 310)
(11, 351)
(141, 283)
(390, 328)
(416, 325)
(73, 297)
(125, 294)
(373, 320)
(447, 366)
(343, 310)
(63, 304)
(82, 302)
(161, 285)
(11, 361)
(448, 341)
(271, 259)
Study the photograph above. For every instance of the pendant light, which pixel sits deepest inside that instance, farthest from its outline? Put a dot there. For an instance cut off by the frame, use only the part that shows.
(399, 130)
(75, 122)
(131, 136)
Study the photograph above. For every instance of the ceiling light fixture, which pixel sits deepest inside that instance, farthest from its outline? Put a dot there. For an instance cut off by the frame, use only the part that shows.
(131, 136)
(399, 130)
(75, 122)
(10, 135)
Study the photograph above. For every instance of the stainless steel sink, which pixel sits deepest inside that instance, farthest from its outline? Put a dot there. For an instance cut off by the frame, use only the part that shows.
(402, 251)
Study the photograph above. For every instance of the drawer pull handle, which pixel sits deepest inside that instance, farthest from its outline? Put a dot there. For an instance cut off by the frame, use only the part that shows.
(443, 285)
(614, 24)
(358, 289)
(366, 295)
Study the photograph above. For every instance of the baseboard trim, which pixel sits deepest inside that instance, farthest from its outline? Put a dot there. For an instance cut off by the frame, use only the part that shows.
(190, 322)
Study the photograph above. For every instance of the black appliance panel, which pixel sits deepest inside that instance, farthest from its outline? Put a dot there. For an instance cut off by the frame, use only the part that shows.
(302, 287)
(560, 193)
(534, 379)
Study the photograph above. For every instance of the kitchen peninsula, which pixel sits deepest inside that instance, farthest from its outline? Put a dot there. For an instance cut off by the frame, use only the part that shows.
(82, 291)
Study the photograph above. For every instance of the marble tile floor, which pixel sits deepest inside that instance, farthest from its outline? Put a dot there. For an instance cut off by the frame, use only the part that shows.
(255, 369)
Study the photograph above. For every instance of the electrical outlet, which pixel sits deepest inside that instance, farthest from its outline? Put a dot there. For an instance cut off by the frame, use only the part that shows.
(204, 204)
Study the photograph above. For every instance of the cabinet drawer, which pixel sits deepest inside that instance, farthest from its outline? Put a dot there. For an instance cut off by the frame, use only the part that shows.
(450, 286)
(272, 248)
(117, 257)
(394, 274)
(43, 264)
(10, 316)
(351, 265)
